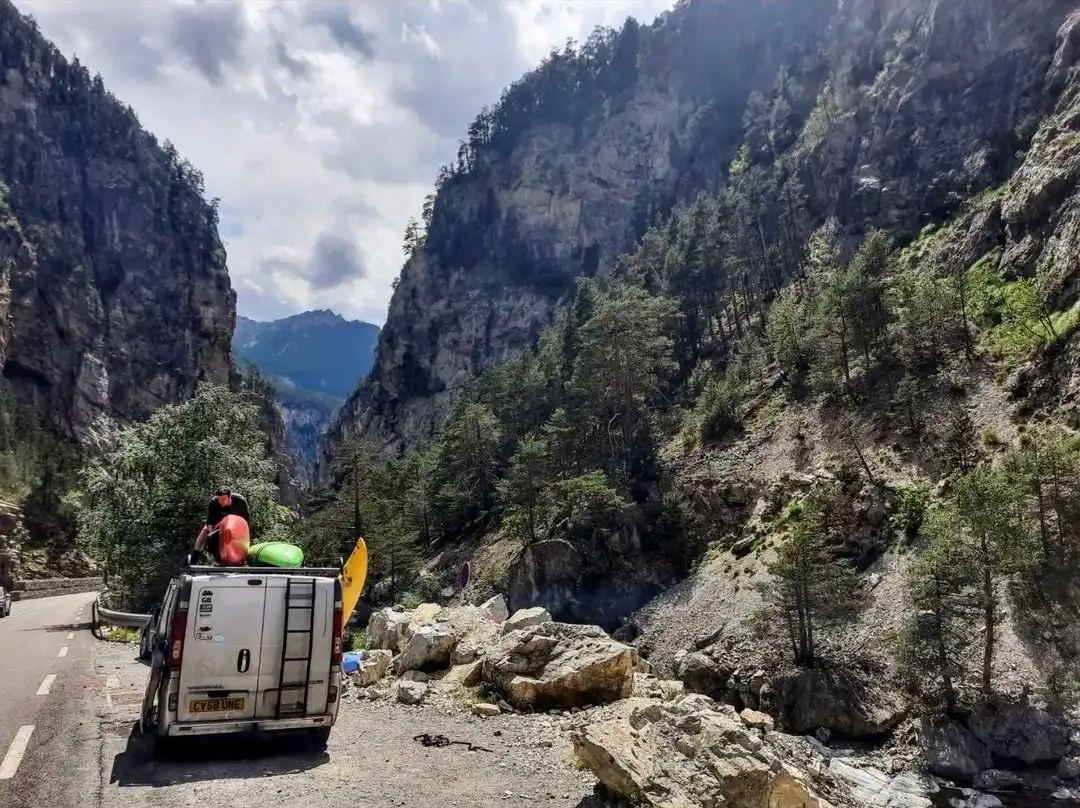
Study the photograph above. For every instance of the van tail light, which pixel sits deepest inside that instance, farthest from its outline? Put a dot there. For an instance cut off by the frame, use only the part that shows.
(176, 637)
(335, 653)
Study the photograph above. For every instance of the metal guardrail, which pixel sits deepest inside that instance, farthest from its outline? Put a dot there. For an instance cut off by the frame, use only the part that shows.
(99, 615)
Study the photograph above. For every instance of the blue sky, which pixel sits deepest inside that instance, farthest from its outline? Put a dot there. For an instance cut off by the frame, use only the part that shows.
(319, 123)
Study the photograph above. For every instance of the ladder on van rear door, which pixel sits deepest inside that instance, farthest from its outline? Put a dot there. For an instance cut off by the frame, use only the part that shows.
(299, 596)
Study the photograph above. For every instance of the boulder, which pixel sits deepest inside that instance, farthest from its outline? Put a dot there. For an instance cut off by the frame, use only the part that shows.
(560, 665)
(545, 574)
(410, 692)
(997, 780)
(486, 710)
(872, 787)
(756, 720)
(524, 618)
(495, 608)
(1068, 768)
(836, 699)
(702, 674)
(682, 756)
(388, 629)
(464, 653)
(429, 647)
(426, 612)
(645, 684)
(1013, 731)
(372, 668)
(951, 751)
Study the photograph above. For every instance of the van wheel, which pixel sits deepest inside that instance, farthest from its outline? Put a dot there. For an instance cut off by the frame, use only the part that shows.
(320, 737)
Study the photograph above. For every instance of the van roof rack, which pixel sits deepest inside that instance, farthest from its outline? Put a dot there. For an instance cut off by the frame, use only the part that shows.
(312, 572)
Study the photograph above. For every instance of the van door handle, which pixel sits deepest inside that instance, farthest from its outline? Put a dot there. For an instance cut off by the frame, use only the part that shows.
(243, 660)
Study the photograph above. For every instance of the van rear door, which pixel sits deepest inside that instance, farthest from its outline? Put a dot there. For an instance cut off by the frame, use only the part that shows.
(294, 646)
(223, 648)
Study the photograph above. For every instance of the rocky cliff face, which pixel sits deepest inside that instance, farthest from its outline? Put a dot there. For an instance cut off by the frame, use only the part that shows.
(929, 103)
(114, 295)
(901, 110)
(557, 183)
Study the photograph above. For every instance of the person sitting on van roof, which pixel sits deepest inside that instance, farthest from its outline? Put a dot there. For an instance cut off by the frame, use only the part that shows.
(226, 529)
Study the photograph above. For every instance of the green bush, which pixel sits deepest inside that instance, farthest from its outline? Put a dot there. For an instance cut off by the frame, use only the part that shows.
(911, 508)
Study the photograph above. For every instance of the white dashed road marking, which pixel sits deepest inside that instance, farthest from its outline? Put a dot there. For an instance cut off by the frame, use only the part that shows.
(46, 683)
(15, 752)
(63, 652)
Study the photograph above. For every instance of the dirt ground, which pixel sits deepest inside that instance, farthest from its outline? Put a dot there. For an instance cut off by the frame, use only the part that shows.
(372, 759)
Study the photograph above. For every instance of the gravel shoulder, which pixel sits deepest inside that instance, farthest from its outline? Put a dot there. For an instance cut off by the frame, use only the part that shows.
(372, 758)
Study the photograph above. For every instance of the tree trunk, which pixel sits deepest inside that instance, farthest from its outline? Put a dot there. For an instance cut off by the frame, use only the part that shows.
(942, 652)
(990, 617)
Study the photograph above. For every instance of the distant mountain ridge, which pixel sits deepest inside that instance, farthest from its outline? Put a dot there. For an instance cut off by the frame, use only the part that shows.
(314, 359)
(314, 350)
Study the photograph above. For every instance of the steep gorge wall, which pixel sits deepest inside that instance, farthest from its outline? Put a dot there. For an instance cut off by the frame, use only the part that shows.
(119, 300)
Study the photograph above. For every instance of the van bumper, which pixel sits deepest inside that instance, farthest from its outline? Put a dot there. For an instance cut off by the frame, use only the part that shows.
(180, 730)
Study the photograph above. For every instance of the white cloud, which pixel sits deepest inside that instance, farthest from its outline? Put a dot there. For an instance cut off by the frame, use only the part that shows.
(320, 124)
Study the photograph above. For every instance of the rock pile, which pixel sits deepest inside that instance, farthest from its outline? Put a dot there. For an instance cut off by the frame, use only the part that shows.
(527, 660)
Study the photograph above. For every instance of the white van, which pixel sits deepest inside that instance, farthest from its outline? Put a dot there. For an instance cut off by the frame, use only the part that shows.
(246, 649)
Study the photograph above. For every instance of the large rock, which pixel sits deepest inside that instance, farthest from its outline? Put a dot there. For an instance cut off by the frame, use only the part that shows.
(545, 574)
(408, 692)
(702, 674)
(429, 636)
(429, 647)
(951, 751)
(524, 618)
(838, 700)
(495, 608)
(389, 629)
(872, 787)
(1015, 732)
(373, 667)
(689, 755)
(560, 665)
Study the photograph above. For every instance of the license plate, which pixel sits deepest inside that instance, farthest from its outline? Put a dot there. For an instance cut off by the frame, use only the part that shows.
(215, 705)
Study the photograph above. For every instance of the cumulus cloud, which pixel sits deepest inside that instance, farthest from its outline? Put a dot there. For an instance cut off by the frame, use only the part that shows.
(321, 123)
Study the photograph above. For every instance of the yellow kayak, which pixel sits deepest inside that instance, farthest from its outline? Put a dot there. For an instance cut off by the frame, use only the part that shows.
(353, 577)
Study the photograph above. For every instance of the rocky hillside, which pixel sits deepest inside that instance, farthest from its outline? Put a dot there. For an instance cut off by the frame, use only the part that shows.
(114, 294)
(313, 360)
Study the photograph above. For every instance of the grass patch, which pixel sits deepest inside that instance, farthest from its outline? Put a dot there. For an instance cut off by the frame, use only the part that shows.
(122, 634)
(769, 409)
(1011, 321)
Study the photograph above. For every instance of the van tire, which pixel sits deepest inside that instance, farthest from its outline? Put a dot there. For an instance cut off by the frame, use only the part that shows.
(320, 737)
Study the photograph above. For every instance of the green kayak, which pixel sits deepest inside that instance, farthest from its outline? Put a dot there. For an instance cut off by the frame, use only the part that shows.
(275, 554)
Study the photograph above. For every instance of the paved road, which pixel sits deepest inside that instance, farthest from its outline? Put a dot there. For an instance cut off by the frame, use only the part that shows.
(46, 664)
